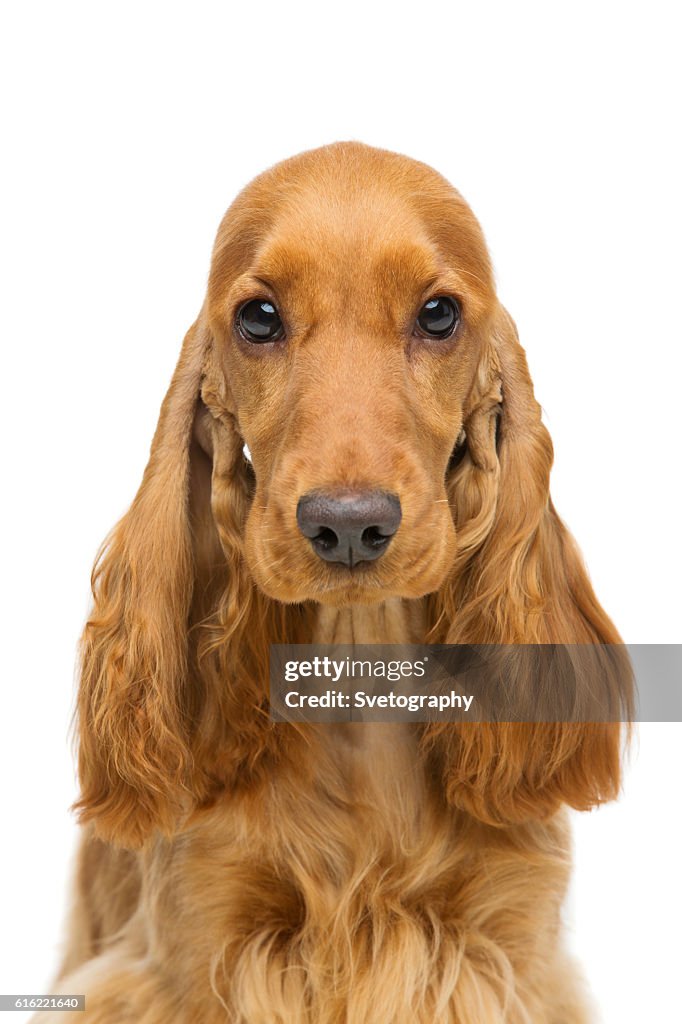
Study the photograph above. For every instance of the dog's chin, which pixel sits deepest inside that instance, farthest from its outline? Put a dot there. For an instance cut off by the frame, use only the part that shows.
(341, 587)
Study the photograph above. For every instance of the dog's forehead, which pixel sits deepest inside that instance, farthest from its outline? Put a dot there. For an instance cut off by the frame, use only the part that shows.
(373, 237)
(348, 214)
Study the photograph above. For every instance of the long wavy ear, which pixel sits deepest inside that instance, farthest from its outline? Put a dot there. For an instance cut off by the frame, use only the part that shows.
(519, 579)
(134, 759)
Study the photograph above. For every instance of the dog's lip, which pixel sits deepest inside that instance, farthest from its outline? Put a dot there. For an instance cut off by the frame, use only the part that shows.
(342, 579)
(345, 578)
(364, 577)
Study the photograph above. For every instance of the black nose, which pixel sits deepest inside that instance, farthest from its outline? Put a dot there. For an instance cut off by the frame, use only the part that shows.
(349, 526)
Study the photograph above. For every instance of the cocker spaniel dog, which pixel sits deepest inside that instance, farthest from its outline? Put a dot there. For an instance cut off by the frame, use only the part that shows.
(395, 488)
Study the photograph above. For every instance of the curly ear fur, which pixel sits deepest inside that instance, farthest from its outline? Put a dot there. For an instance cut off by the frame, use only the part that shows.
(175, 652)
(519, 579)
(134, 759)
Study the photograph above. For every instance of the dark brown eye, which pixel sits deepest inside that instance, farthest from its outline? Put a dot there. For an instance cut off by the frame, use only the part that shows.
(259, 321)
(439, 317)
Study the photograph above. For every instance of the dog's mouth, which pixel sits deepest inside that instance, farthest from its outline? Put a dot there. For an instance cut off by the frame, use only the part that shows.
(367, 581)
(354, 580)
(357, 574)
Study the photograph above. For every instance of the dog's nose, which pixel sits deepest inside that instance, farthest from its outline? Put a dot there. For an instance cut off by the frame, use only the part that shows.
(349, 526)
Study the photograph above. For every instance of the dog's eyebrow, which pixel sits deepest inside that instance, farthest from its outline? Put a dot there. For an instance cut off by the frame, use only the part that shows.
(407, 267)
(407, 264)
(283, 262)
(416, 256)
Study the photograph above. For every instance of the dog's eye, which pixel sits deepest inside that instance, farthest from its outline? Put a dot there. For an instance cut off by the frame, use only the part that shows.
(439, 317)
(259, 321)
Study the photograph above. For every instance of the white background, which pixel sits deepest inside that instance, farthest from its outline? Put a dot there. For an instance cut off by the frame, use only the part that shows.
(127, 129)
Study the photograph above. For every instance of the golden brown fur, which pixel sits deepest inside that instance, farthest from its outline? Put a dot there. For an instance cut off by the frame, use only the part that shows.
(236, 870)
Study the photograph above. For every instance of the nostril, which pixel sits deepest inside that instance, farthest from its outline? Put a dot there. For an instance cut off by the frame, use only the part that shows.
(372, 537)
(326, 539)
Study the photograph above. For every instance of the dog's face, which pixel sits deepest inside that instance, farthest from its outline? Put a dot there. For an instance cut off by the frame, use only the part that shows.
(348, 303)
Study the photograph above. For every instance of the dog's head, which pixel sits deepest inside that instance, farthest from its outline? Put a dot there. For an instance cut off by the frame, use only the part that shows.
(352, 343)
(351, 315)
